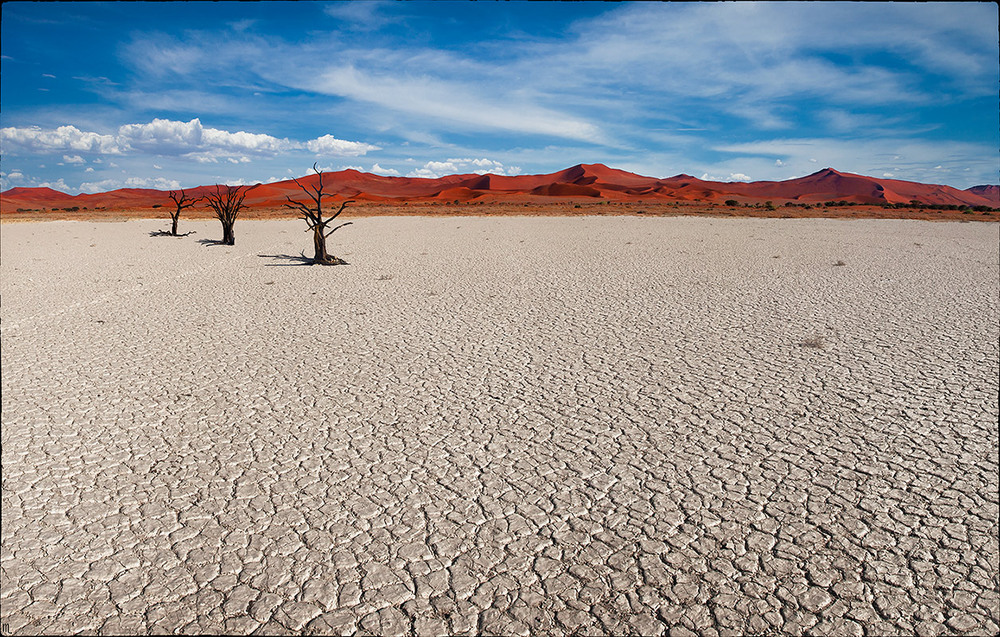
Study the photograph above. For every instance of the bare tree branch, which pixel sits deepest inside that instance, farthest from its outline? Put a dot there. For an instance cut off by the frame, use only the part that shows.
(181, 201)
(227, 203)
(338, 228)
(313, 216)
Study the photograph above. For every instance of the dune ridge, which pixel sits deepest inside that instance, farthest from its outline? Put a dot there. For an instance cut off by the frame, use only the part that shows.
(584, 182)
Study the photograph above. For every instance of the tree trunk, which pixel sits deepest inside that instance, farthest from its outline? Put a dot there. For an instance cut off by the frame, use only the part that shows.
(319, 245)
(228, 236)
(173, 227)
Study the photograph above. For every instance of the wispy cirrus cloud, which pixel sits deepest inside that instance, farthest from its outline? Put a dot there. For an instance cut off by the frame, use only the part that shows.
(457, 103)
(362, 16)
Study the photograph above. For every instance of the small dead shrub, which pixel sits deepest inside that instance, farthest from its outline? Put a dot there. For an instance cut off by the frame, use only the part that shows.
(815, 342)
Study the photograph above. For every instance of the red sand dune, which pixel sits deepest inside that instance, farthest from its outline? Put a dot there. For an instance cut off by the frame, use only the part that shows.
(584, 182)
(989, 192)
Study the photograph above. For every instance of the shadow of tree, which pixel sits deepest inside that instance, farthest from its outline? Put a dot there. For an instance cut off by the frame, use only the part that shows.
(210, 242)
(300, 259)
(165, 233)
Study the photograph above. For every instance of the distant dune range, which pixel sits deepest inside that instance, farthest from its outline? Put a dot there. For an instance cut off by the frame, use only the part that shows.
(583, 182)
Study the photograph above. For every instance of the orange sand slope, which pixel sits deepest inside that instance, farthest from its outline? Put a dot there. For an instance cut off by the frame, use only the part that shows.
(583, 182)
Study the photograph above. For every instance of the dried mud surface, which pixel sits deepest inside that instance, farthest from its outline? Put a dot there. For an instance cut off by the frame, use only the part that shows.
(617, 425)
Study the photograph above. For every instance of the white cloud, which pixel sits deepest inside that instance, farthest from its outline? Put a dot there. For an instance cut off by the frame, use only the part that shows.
(476, 106)
(172, 138)
(18, 178)
(330, 145)
(73, 159)
(482, 166)
(62, 138)
(89, 169)
(457, 166)
(168, 137)
(378, 170)
(157, 183)
(59, 184)
(363, 16)
(732, 177)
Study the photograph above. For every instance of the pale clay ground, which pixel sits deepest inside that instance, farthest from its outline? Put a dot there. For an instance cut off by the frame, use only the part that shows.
(504, 426)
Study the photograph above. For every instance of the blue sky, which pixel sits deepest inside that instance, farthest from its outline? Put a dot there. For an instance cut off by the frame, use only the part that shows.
(100, 96)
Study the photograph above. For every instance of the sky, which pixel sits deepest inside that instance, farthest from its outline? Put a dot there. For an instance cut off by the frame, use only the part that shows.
(98, 96)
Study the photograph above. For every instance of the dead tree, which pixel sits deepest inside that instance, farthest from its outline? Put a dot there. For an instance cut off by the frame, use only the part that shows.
(227, 201)
(181, 202)
(313, 214)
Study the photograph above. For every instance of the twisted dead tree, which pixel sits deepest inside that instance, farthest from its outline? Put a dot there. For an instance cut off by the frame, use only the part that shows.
(181, 202)
(313, 215)
(227, 201)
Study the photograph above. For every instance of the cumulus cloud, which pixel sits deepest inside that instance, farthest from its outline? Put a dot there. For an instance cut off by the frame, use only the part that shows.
(172, 138)
(330, 145)
(158, 183)
(732, 177)
(457, 166)
(58, 184)
(63, 138)
(378, 170)
(168, 137)
(73, 159)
